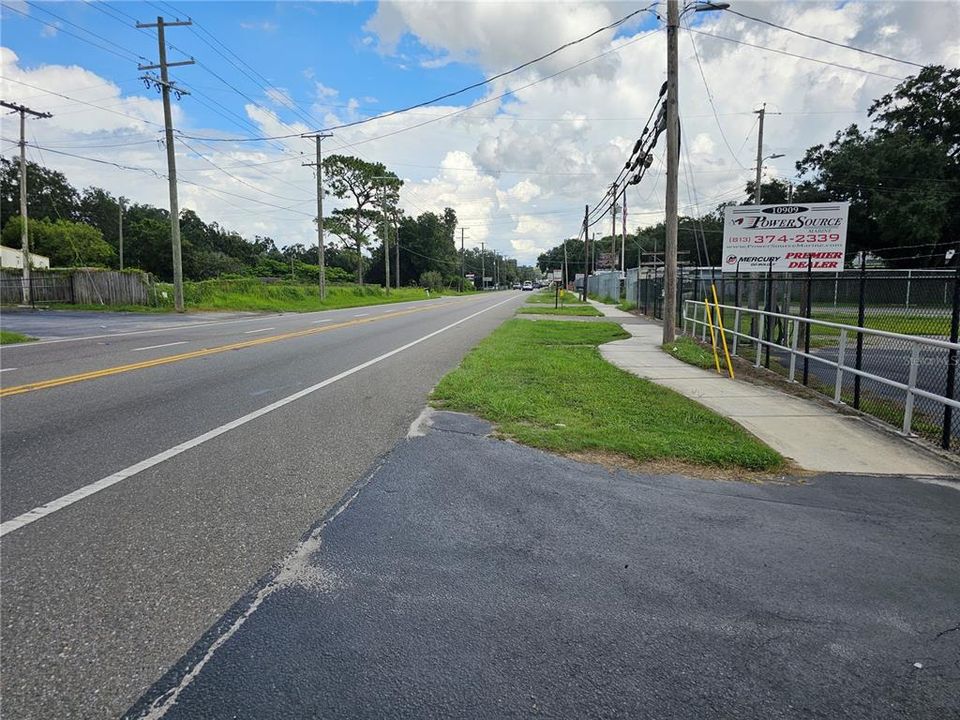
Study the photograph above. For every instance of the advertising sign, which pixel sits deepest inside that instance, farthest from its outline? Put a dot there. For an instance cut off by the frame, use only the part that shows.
(794, 237)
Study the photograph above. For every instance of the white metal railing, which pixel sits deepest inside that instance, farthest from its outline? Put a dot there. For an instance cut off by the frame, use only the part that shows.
(692, 310)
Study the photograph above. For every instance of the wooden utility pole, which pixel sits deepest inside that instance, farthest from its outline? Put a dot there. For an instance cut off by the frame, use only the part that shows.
(24, 224)
(623, 238)
(586, 249)
(165, 87)
(396, 252)
(673, 164)
(120, 227)
(483, 267)
(321, 260)
(462, 256)
(613, 225)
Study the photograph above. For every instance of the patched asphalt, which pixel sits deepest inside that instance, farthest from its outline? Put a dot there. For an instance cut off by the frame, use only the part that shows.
(474, 578)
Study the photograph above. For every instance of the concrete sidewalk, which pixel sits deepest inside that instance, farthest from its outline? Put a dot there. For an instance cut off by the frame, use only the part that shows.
(811, 435)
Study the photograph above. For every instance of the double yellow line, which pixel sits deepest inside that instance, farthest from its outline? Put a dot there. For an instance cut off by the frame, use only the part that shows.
(118, 369)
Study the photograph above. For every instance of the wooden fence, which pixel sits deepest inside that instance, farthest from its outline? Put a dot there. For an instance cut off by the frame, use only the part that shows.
(80, 286)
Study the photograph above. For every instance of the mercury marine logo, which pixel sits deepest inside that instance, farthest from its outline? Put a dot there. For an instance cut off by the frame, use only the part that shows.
(731, 259)
(785, 209)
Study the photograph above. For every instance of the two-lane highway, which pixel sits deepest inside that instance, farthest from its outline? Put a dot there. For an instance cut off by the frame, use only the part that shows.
(151, 476)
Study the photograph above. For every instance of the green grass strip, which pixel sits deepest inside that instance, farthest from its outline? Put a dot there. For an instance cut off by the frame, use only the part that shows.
(8, 337)
(577, 310)
(545, 384)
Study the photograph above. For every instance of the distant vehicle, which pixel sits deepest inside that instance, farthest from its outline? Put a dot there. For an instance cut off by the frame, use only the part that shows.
(517, 286)
(527, 285)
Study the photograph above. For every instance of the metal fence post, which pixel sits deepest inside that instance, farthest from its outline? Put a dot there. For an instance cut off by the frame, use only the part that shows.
(911, 386)
(793, 350)
(759, 343)
(841, 357)
(807, 311)
(680, 294)
(736, 287)
(736, 328)
(952, 358)
(860, 319)
(769, 323)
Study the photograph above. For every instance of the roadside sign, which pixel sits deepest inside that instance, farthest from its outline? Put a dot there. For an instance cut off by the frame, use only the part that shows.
(488, 279)
(794, 237)
(470, 276)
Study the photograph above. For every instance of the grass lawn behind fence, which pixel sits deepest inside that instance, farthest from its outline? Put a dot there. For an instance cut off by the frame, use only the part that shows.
(8, 337)
(545, 384)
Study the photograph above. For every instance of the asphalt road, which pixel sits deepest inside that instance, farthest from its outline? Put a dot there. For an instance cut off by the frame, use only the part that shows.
(151, 476)
(474, 578)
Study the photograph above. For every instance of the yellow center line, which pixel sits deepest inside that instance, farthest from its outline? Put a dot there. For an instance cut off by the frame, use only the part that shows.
(166, 360)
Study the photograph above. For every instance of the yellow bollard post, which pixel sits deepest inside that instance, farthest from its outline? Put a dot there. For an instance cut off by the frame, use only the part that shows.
(723, 337)
(713, 336)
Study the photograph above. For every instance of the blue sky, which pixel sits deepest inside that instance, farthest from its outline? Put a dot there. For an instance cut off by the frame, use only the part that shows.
(291, 44)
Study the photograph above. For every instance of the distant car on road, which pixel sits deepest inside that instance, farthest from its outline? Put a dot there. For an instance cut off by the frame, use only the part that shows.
(517, 286)
(527, 286)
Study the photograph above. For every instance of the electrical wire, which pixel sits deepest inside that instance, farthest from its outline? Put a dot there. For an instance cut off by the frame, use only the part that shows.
(795, 55)
(823, 39)
(58, 28)
(703, 77)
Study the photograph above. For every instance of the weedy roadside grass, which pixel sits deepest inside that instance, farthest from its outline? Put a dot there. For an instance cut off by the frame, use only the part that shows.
(691, 352)
(8, 337)
(545, 384)
(627, 306)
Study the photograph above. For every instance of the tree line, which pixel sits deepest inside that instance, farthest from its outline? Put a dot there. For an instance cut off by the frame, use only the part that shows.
(901, 175)
(81, 228)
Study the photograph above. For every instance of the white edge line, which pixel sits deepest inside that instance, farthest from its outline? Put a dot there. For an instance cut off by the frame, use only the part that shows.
(190, 326)
(154, 347)
(317, 322)
(249, 332)
(6, 369)
(159, 707)
(361, 314)
(86, 491)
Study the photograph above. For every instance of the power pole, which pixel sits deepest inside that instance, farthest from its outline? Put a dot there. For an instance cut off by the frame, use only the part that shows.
(24, 229)
(462, 256)
(623, 239)
(165, 87)
(120, 228)
(756, 184)
(753, 290)
(483, 271)
(396, 251)
(566, 275)
(613, 224)
(673, 164)
(586, 249)
(320, 249)
(386, 238)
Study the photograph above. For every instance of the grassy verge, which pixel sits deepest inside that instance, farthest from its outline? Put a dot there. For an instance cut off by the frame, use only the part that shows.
(546, 385)
(548, 298)
(691, 352)
(578, 310)
(7, 337)
(627, 306)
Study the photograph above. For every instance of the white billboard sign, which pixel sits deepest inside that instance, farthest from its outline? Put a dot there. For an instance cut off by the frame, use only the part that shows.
(794, 237)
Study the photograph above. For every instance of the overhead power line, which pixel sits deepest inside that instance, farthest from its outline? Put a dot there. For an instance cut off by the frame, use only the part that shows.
(453, 93)
(795, 55)
(823, 39)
